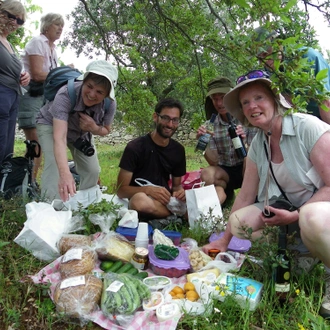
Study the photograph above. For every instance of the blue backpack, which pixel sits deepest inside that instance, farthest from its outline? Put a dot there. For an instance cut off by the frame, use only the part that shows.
(60, 76)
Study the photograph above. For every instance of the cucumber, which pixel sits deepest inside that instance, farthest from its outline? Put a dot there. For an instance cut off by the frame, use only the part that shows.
(132, 271)
(141, 275)
(115, 266)
(125, 268)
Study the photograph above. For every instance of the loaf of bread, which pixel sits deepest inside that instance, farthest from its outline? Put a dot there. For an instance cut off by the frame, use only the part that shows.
(77, 301)
(77, 261)
(69, 241)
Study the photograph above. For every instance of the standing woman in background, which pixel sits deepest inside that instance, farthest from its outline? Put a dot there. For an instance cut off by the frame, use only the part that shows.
(39, 58)
(12, 75)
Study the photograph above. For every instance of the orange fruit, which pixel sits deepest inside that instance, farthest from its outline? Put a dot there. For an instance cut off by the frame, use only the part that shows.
(177, 289)
(192, 295)
(172, 294)
(179, 296)
(189, 287)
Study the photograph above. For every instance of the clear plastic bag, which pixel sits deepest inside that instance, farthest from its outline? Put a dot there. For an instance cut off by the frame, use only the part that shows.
(176, 206)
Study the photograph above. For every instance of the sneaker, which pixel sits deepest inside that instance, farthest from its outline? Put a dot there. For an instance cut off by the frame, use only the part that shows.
(325, 306)
(161, 224)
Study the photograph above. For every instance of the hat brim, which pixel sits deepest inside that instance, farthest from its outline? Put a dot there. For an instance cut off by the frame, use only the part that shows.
(233, 105)
(219, 90)
(112, 89)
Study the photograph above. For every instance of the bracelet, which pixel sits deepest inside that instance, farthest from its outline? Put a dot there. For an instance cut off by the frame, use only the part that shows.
(100, 129)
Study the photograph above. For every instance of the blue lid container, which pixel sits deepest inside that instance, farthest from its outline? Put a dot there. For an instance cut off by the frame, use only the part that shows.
(130, 233)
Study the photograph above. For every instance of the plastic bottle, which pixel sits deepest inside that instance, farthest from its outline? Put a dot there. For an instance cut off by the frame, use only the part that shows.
(237, 141)
(282, 271)
(205, 138)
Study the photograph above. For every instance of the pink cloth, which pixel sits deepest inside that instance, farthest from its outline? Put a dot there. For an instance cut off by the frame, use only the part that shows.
(141, 320)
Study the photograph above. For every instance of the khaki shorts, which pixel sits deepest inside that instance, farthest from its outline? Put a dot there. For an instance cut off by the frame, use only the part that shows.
(27, 111)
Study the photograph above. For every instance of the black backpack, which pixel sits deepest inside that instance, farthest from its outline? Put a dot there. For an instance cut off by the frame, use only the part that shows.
(16, 173)
(60, 76)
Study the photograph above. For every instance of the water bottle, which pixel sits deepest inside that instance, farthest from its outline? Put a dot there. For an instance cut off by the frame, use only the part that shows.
(204, 139)
(237, 141)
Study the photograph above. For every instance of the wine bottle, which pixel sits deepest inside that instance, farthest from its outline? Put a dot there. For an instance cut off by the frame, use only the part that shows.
(205, 138)
(282, 270)
(237, 141)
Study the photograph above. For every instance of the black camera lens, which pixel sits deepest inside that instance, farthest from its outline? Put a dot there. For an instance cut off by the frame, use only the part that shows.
(85, 147)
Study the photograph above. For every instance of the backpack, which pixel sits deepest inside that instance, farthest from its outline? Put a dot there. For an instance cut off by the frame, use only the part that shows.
(60, 76)
(16, 173)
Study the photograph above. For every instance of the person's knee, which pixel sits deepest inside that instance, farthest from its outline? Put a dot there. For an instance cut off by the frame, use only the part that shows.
(141, 203)
(312, 218)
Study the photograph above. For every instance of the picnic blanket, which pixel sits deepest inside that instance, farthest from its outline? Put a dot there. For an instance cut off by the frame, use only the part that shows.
(141, 320)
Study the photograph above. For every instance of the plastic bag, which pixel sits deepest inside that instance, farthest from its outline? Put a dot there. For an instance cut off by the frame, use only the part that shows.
(198, 259)
(129, 218)
(176, 206)
(224, 261)
(122, 294)
(113, 246)
(43, 228)
(159, 238)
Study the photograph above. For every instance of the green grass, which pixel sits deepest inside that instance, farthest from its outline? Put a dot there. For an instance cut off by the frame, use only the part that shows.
(26, 306)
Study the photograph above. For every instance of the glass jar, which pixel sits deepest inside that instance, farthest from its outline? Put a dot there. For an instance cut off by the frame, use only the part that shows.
(140, 258)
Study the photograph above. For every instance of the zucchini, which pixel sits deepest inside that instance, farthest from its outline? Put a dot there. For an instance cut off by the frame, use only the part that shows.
(125, 268)
(132, 271)
(141, 275)
(115, 266)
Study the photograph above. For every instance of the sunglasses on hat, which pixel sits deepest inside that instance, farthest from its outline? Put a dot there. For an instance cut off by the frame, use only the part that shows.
(252, 75)
(11, 16)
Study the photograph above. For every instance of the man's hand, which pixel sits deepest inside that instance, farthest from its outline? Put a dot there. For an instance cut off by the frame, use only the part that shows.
(220, 244)
(160, 194)
(180, 194)
(66, 186)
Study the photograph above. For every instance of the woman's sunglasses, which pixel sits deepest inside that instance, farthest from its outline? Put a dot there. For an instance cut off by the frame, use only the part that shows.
(11, 16)
(252, 75)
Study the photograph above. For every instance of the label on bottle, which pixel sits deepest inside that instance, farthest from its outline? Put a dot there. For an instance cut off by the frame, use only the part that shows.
(283, 287)
(237, 142)
(203, 142)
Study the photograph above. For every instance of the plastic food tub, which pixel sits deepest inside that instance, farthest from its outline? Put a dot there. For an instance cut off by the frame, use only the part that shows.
(170, 268)
(130, 233)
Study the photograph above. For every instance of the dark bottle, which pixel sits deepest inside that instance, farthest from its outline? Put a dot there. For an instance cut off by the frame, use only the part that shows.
(205, 138)
(282, 270)
(237, 141)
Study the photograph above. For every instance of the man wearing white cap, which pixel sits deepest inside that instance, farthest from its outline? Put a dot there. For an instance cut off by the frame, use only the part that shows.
(59, 127)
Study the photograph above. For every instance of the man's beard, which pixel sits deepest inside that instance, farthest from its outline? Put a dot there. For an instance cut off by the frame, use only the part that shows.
(160, 130)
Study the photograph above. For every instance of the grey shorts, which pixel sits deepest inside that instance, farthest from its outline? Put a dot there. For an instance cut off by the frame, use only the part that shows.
(28, 108)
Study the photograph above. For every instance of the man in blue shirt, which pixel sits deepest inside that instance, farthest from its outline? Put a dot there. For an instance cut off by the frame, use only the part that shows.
(316, 59)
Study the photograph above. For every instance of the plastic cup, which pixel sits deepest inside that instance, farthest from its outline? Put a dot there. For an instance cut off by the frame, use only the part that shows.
(142, 235)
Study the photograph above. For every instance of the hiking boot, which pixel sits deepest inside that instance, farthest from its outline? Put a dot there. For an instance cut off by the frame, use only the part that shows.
(325, 306)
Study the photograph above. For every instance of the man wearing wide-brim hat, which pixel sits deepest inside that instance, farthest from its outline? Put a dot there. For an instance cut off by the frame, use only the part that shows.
(226, 168)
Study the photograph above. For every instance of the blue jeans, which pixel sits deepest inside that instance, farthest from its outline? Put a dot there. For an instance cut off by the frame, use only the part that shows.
(8, 114)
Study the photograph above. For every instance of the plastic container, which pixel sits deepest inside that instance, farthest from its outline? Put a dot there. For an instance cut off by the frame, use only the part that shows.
(155, 283)
(235, 244)
(171, 268)
(130, 233)
(156, 300)
(175, 236)
(168, 311)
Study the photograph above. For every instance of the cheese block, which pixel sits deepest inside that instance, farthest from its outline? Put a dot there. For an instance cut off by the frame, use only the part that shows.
(207, 276)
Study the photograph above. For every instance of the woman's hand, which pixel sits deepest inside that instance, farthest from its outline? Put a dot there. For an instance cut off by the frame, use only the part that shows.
(240, 131)
(66, 186)
(281, 217)
(24, 78)
(87, 123)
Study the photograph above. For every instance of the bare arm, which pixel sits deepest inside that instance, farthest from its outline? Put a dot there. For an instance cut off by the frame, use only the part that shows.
(178, 191)
(66, 184)
(124, 190)
(36, 68)
(325, 115)
(245, 197)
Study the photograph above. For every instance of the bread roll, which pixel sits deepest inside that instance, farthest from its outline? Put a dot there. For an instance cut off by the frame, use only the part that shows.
(77, 261)
(77, 301)
(69, 241)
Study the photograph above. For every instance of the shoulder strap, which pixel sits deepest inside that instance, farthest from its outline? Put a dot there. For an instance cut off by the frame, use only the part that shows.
(107, 103)
(72, 94)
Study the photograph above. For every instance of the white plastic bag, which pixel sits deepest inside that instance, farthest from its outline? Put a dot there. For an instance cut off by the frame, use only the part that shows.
(176, 206)
(224, 261)
(203, 207)
(44, 227)
(85, 197)
(129, 218)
